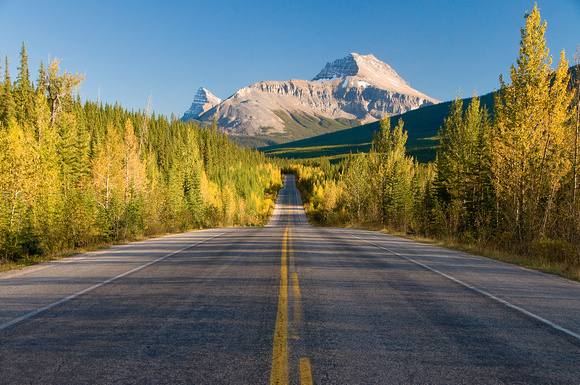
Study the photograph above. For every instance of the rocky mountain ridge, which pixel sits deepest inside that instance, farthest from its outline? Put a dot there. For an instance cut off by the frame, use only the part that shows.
(356, 88)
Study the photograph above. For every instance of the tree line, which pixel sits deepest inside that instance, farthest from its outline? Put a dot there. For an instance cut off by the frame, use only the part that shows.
(74, 174)
(507, 178)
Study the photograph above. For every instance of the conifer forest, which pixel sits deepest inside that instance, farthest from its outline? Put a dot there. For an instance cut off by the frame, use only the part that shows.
(75, 175)
(78, 175)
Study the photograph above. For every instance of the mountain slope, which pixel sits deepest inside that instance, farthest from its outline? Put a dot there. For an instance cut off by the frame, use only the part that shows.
(365, 71)
(353, 90)
(422, 126)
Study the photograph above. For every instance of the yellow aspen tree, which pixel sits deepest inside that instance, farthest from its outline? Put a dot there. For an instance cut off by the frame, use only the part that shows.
(356, 177)
(576, 139)
(59, 88)
(155, 197)
(49, 207)
(135, 176)
(556, 162)
(529, 150)
(230, 206)
(17, 163)
(135, 179)
(108, 178)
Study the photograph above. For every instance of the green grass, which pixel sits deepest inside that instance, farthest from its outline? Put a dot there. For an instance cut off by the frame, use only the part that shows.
(257, 141)
(331, 152)
(300, 125)
(422, 126)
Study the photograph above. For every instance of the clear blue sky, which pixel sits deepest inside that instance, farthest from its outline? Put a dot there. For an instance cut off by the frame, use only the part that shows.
(130, 49)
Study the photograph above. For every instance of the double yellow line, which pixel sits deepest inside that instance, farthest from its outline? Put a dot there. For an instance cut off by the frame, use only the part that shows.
(280, 366)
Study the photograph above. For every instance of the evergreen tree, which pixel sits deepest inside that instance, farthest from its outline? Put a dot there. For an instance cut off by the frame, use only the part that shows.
(576, 145)
(357, 187)
(192, 168)
(1, 89)
(392, 174)
(24, 92)
(7, 105)
(42, 78)
(427, 213)
(381, 143)
(463, 166)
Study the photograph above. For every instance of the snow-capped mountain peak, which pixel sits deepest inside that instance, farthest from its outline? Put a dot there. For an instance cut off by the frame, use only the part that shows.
(366, 69)
(340, 68)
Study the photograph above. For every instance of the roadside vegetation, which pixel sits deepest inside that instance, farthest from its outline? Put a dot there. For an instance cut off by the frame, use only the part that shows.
(75, 176)
(504, 184)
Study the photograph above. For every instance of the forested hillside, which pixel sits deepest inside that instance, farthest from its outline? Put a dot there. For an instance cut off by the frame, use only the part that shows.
(508, 181)
(76, 174)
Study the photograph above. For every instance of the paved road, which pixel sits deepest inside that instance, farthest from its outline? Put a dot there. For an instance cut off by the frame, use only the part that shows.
(286, 303)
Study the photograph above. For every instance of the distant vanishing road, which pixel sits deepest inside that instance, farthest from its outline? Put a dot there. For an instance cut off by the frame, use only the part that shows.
(286, 303)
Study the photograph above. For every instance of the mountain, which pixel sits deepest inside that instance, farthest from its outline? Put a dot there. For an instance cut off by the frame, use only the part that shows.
(203, 101)
(368, 71)
(347, 92)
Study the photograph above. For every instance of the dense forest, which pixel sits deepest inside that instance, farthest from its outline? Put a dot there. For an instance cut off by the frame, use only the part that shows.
(506, 178)
(75, 175)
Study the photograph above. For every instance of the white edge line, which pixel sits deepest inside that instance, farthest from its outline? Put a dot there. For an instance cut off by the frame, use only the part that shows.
(88, 289)
(479, 291)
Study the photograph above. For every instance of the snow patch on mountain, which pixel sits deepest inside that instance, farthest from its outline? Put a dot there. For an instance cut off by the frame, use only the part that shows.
(327, 79)
(363, 84)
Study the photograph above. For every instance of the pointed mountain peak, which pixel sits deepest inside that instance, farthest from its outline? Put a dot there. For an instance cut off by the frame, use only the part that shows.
(204, 96)
(367, 71)
(203, 101)
(339, 68)
(366, 67)
(352, 65)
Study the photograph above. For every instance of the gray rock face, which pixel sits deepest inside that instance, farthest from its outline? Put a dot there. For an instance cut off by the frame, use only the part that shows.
(355, 87)
(338, 69)
(203, 101)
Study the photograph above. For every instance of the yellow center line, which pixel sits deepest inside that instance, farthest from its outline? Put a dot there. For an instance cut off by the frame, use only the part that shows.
(280, 351)
(279, 374)
(305, 372)
(297, 300)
